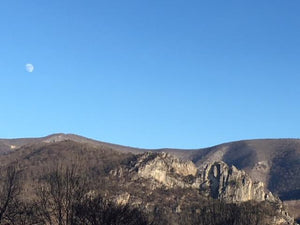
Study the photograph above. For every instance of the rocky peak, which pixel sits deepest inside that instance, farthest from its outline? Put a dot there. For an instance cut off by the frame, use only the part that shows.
(222, 181)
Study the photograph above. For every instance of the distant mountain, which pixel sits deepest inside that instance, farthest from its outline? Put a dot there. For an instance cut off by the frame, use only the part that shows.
(8, 145)
(275, 162)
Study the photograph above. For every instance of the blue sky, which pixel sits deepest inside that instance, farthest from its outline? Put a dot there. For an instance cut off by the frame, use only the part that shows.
(151, 74)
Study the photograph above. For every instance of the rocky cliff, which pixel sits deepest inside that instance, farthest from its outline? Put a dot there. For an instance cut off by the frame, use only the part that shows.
(232, 185)
(166, 169)
(215, 180)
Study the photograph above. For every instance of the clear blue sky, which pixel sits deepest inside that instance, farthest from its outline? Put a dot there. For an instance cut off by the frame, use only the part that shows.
(159, 73)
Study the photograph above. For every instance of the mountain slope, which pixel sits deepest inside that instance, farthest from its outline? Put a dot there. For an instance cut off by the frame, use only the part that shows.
(275, 162)
(266, 160)
(168, 189)
(270, 161)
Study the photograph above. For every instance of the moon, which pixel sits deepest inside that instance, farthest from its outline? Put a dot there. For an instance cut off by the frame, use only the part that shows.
(29, 67)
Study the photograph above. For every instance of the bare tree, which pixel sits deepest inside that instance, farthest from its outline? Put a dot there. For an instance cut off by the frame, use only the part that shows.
(9, 191)
(23, 213)
(96, 211)
(60, 191)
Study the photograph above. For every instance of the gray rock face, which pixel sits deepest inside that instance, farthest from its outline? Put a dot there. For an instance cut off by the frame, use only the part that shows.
(230, 184)
(217, 180)
(166, 170)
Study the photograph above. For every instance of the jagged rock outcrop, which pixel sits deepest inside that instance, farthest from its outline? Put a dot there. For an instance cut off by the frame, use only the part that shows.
(217, 180)
(166, 169)
(232, 185)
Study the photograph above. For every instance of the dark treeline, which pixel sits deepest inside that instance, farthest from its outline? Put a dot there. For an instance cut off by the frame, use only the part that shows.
(65, 197)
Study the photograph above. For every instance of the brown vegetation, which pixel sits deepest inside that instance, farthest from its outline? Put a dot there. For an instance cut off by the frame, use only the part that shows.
(68, 182)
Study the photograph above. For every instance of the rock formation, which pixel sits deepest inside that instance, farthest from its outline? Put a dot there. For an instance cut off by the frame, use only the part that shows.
(232, 185)
(217, 180)
(166, 169)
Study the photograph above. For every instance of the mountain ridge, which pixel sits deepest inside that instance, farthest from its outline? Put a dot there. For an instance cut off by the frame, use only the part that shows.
(275, 162)
(83, 139)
